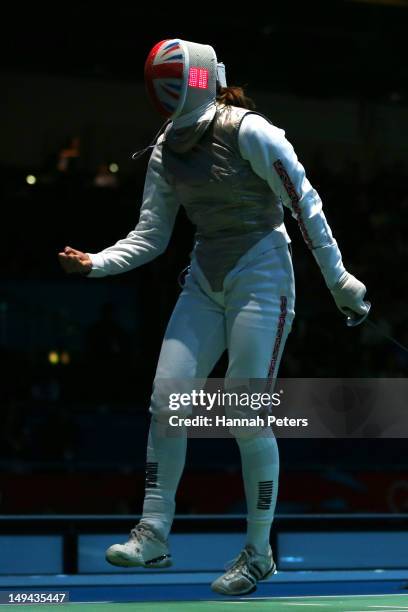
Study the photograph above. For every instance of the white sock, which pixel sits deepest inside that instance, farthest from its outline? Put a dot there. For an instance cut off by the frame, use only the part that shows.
(164, 466)
(260, 471)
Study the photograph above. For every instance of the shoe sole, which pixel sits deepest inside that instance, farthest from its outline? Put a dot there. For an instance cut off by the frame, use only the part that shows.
(252, 589)
(121, 560)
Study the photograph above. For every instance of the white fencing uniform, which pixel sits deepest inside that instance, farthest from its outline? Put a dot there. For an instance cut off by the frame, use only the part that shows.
(232, 173)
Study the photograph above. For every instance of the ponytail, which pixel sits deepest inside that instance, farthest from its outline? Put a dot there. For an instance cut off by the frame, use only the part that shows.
(234, 96)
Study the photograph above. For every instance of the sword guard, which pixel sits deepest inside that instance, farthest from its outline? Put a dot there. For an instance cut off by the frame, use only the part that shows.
(354, 319)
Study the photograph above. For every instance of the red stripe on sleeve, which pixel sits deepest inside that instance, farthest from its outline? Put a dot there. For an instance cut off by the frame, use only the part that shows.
(294, 198)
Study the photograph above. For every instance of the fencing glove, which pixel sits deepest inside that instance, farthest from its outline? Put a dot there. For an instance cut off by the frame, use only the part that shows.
(348, 293)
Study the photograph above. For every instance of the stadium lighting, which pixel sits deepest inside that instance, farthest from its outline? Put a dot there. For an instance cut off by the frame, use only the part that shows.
(53, 357)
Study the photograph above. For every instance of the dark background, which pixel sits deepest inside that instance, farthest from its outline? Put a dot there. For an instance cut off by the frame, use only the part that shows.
(73, 432)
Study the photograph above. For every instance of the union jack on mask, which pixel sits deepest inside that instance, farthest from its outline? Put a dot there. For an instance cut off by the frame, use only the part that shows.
(182, 76)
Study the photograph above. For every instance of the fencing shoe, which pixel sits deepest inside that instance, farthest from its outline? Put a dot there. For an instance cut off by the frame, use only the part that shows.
(244, 573)
(145, 548)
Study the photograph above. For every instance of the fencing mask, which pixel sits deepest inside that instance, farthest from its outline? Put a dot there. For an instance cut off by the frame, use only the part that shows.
(181, 77)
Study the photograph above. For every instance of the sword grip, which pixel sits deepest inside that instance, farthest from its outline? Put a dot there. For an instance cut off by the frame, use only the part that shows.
(354, 319)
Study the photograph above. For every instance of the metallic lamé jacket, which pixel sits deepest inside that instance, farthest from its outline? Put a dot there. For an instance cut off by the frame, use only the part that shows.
(231, 207)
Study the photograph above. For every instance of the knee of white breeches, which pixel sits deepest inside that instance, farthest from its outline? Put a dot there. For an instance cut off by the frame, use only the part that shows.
(166, 402)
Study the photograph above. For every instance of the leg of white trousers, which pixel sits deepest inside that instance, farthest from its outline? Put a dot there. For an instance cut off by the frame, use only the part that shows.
(260, 311)
(194, 341)
(260, 473)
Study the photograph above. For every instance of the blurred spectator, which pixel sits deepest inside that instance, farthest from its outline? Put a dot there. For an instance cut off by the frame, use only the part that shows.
(105, 178)
(68, 156)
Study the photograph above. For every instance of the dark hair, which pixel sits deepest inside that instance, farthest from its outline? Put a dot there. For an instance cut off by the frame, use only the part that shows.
(234, 96)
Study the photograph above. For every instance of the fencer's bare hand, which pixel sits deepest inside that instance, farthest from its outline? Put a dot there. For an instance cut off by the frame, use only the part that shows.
(75, 262)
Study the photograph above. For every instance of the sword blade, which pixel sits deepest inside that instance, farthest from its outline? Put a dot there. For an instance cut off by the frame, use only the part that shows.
(381, 333)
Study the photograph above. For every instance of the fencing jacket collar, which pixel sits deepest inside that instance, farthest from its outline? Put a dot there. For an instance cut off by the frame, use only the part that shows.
(184, 132)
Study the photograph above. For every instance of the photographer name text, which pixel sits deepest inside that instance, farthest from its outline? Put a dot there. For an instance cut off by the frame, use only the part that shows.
(223, 421)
